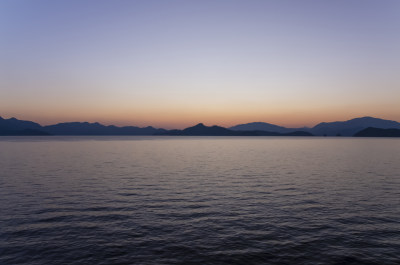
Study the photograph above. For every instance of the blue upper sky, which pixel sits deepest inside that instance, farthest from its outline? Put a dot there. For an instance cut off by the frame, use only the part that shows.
(174, 63)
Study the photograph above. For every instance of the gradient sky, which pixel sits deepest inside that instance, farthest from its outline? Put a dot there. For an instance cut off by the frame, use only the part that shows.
(172, 63)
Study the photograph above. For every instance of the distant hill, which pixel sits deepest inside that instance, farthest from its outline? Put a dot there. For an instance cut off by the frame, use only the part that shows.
(350, 127)
(261, 126)
(202, 130)
(377, 132)
(14, 126)
(338, 128)
(86, 128)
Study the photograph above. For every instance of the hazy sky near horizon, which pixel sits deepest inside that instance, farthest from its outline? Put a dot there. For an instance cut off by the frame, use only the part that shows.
(171, 63)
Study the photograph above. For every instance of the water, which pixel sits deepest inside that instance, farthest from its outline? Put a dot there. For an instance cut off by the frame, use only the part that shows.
(199, 200)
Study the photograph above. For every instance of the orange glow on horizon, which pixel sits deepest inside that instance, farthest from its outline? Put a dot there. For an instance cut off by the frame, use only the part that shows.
(179, 118)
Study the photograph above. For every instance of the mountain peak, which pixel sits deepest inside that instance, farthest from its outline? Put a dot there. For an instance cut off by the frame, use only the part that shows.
(365, 118)
(199, 125)
(260, 126)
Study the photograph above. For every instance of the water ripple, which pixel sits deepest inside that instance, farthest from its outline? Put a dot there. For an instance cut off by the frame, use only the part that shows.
(200, 201)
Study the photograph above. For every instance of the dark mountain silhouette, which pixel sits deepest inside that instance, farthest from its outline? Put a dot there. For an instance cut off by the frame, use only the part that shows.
(86, 128)
(24, 132)
(14, 126)
(377, 132)
(338, 128)
(202, 130)
(350, 127)
(261, 126)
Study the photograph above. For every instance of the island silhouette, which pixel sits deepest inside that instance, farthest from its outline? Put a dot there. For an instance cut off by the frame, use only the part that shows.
(378, 132)
(359, 127)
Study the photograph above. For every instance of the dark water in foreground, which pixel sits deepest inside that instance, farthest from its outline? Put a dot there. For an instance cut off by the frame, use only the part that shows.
(194, 200)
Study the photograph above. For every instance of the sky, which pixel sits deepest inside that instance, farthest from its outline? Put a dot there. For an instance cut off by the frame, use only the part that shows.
(173, 64)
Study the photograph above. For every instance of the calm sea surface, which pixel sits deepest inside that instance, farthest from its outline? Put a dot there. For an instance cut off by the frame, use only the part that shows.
(199, 200)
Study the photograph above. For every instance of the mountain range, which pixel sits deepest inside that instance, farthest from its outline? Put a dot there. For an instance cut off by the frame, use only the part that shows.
(14, 126)
(338, 128)
(202, 130)
(351, 127)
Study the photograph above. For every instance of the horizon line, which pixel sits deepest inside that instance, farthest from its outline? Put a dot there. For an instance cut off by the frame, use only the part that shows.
(194, 124)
